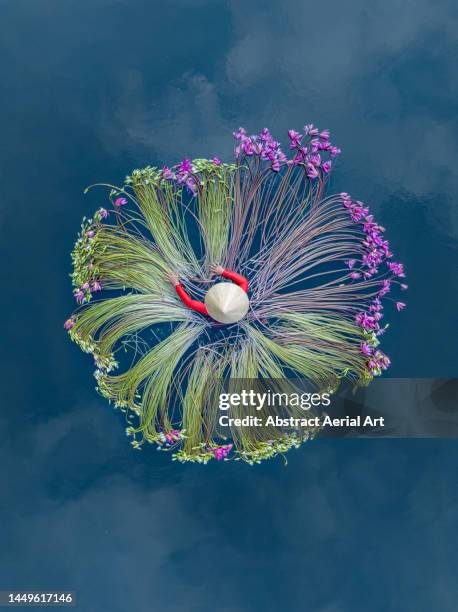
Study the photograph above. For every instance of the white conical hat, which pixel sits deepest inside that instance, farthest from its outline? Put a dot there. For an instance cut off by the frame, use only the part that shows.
(226, 302)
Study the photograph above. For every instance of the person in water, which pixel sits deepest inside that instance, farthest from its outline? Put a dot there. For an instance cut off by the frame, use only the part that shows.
(224, 302)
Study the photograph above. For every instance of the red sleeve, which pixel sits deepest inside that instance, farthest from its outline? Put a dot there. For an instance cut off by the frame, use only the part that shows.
(189, 302)
(237, 278)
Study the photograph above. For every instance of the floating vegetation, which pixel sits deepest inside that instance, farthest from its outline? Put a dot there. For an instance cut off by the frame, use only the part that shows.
(319, 269)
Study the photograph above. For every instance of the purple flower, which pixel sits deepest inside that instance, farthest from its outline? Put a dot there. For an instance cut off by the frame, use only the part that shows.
(400, 306)
(355, 275)
(96, 286)
(297, 159)
(378, 362)
(303, 152)
(386, 287)
(227, 449)
(396, 268)
(376, 305)
(218, 453)
(315, 159)
(170, 437)
(373, 240)
(248, 147)
(191, 185)
(366, 321)
(90, 234)
(85, 286)
(167, 174)
(372, 260)
(239, 134)
(103, 212)
(120, 202)
(79, 295)
(185, 166)
(69, 323)
(216, 161)
(221, 452)
(404, 286)
(351, 263)
(310, 130)
(266, 148)
(295, 138)
(366, 349)
(327, 166)
(357, 211)
(184, 175)
(312, 172)
(383, 360)
(369, 225)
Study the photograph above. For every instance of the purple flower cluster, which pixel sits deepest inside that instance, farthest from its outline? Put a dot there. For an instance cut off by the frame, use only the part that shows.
(221, 452)
(369, 321)
(167, 174)
(396, 268)
(377, 251)
(171, 438)
(83, 294)
(309, 149)
(262, 145)
(378, 362)
(184, 175)
(386, 287)
(69, 323)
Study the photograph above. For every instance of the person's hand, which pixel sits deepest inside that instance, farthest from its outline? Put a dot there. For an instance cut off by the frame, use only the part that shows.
(173, 278)
(216, 269)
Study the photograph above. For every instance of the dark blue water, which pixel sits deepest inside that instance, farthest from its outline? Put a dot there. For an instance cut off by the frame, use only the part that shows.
(93, 89)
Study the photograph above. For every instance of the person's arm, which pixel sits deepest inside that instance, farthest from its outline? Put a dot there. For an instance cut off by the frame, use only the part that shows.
(189, 302)
(173, 278)
(240, 280)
